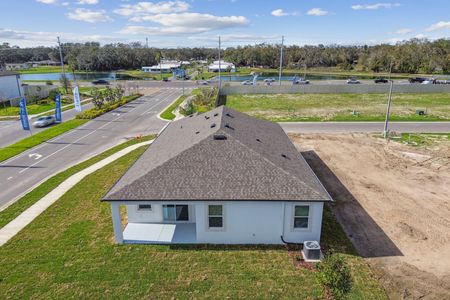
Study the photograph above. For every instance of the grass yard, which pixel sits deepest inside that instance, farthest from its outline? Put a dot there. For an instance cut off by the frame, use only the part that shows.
(68, 252)
(35, 108)
(43, 69)
(30, 198)
(341, 107)
(38, 138)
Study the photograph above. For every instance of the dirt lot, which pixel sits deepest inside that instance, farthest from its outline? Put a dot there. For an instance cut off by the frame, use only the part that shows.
(393, 201)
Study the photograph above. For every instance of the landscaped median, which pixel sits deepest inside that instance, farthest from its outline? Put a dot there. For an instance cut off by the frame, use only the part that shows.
(38, 138)
(203, 100)
(52, 132)
(68, 251)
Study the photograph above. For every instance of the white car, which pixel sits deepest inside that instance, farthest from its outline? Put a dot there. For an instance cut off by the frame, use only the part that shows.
(301, 81)
(44, 121)
(269, 80)
(353, 81)
(247, 82)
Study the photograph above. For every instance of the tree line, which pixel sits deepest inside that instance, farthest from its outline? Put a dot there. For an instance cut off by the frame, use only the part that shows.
(413, 56)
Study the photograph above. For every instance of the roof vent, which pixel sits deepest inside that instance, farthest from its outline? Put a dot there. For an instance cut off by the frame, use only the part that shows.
(213, 125)
(258, 140)
(284, 156)
(228, 126)
(216, 114)
(206, 117)
(190, 116)
(197, 132)
(229, 115)
(220, 137)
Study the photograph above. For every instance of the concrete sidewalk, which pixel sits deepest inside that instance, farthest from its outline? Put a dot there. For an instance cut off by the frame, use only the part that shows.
(25, 218)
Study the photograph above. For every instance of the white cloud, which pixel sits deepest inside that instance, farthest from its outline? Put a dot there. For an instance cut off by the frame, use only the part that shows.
(89, 16)
(421, 36)
(439, 26)
(87, 2)
(374, 6)
(65, 4)
(145, 8)
(282, 13)
(402, 31)
(47, 1)
(317, 12)
(184, 23)
(32, 38)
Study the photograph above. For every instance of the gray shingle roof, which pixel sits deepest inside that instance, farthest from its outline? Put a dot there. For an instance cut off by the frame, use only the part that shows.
(257, 161)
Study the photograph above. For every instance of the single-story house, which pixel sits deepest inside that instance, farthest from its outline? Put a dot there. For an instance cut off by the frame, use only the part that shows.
(47, 62)
(221, 177)
(10, 86)
(223, 66)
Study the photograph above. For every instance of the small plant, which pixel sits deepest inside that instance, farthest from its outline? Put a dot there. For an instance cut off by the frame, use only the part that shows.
(49, 82)
(52, 94)
(335, 275)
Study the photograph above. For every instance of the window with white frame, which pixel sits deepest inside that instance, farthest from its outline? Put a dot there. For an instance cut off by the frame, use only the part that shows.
(215, 216)
(301, 216)
(144, 207)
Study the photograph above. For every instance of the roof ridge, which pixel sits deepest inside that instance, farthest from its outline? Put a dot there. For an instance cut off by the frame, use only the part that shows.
(282, 169)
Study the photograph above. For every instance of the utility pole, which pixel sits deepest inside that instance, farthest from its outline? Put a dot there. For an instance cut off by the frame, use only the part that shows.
(146, 42)
(220, 65)
(281, 59)
(388, 110)
(62, 65)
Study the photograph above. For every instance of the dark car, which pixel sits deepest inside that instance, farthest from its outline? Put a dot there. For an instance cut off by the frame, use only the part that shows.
(381, 80)
(165, 79)
(417, 80)
(100, 81)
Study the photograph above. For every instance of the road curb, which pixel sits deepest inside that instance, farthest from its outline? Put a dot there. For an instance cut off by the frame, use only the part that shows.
(31, 213)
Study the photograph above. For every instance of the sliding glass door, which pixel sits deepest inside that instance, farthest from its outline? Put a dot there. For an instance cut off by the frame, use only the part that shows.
(175, 213)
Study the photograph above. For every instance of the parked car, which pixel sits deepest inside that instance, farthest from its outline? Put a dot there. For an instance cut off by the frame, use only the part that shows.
(417, 80)
(202, 82)
(353, 81)
(100, 82)
(44, 121)
(301, 81)
(165, 79)
(429, 81)
(247, 82)
(269, 80)
(381, 80)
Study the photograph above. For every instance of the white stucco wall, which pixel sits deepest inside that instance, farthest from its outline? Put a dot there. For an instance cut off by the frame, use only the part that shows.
(155, 215)
(258, 223)
(245, 222)
(8, 87)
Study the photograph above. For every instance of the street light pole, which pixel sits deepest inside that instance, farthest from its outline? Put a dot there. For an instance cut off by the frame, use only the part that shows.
(62, 65)
(388, 110)
(220, 65)
(281, 59)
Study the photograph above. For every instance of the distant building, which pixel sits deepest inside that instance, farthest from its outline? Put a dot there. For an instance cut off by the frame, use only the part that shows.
(166, 66)
(18, 66)
(10, 86)
(39, 63)
(223, 65)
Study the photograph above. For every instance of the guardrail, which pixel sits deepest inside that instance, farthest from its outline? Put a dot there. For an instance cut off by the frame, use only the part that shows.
(335, 89)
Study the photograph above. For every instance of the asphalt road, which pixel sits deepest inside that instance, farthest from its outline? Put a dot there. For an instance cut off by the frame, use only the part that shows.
(11, 131)
(21, 173)
(365, 127)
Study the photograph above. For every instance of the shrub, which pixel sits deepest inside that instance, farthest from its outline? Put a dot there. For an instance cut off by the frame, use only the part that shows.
(52, 94)
(49, 82)
(95, 112)
(335, 275)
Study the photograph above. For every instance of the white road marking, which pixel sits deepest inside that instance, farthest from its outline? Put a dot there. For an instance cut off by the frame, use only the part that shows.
(79, 139)
(170, 95)
(35, 155)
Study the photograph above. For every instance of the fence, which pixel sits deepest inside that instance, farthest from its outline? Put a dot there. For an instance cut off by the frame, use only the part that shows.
(335, 89)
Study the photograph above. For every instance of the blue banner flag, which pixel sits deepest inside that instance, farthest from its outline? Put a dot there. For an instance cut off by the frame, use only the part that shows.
(76, 99)
(24, 114)
(58, 116)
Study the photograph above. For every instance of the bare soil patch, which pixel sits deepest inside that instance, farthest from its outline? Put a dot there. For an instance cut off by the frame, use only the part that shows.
(393, 202)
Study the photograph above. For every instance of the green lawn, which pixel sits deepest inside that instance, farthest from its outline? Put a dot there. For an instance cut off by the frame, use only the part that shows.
(422, 139)
(342, 107)
(168, 112)
(68, 252)
(30, 198)
(43, 69)
(38, 138)
(32, 109)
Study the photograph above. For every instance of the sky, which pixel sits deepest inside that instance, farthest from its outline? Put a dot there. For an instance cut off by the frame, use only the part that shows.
(197, 23)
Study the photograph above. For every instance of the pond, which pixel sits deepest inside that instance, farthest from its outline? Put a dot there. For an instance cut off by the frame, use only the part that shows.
(78, 76)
